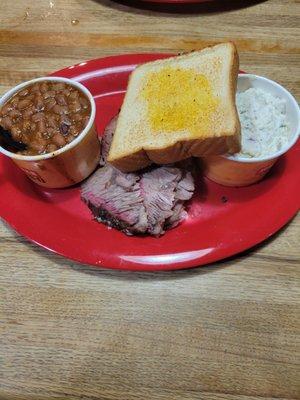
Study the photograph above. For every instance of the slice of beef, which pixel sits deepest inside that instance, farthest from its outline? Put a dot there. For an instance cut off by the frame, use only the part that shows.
(145, 202)
(115, 199)
(184, 191)
(158, 190)
(107, 139)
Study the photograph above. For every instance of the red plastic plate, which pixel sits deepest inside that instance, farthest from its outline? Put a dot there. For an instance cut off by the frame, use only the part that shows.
(214, 229)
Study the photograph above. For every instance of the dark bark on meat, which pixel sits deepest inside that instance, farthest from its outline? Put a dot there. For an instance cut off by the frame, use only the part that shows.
(107, 139)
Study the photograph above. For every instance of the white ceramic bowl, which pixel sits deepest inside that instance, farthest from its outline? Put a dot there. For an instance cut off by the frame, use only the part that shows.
(68, 165)
(242, 171)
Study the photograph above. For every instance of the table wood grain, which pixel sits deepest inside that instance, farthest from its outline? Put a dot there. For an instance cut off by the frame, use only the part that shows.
(225, 331)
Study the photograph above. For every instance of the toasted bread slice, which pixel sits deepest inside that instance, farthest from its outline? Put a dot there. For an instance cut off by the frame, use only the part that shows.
(179, 107)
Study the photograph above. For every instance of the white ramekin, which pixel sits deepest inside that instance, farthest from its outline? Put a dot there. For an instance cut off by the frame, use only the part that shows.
(242, 171)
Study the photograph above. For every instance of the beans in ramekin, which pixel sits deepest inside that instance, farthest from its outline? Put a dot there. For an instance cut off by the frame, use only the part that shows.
(45, 116)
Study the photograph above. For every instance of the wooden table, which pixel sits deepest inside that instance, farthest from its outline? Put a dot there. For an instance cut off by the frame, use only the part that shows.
(226, 331)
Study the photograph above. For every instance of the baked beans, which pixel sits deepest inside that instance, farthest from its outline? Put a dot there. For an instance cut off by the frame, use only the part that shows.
(45, 116)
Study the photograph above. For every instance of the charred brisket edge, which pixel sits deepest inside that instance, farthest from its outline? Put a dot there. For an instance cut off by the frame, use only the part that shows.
(106, 217)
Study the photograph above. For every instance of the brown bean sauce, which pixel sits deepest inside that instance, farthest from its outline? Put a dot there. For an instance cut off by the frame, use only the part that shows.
(46, 116)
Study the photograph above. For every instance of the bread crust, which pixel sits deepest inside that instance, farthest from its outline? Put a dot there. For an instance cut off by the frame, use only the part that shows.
(228, 142)
(177, 152)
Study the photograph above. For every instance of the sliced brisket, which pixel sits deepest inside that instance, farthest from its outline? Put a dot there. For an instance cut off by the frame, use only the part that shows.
(147, 202)
(107, 139)
(158, 190)
(115, 199)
